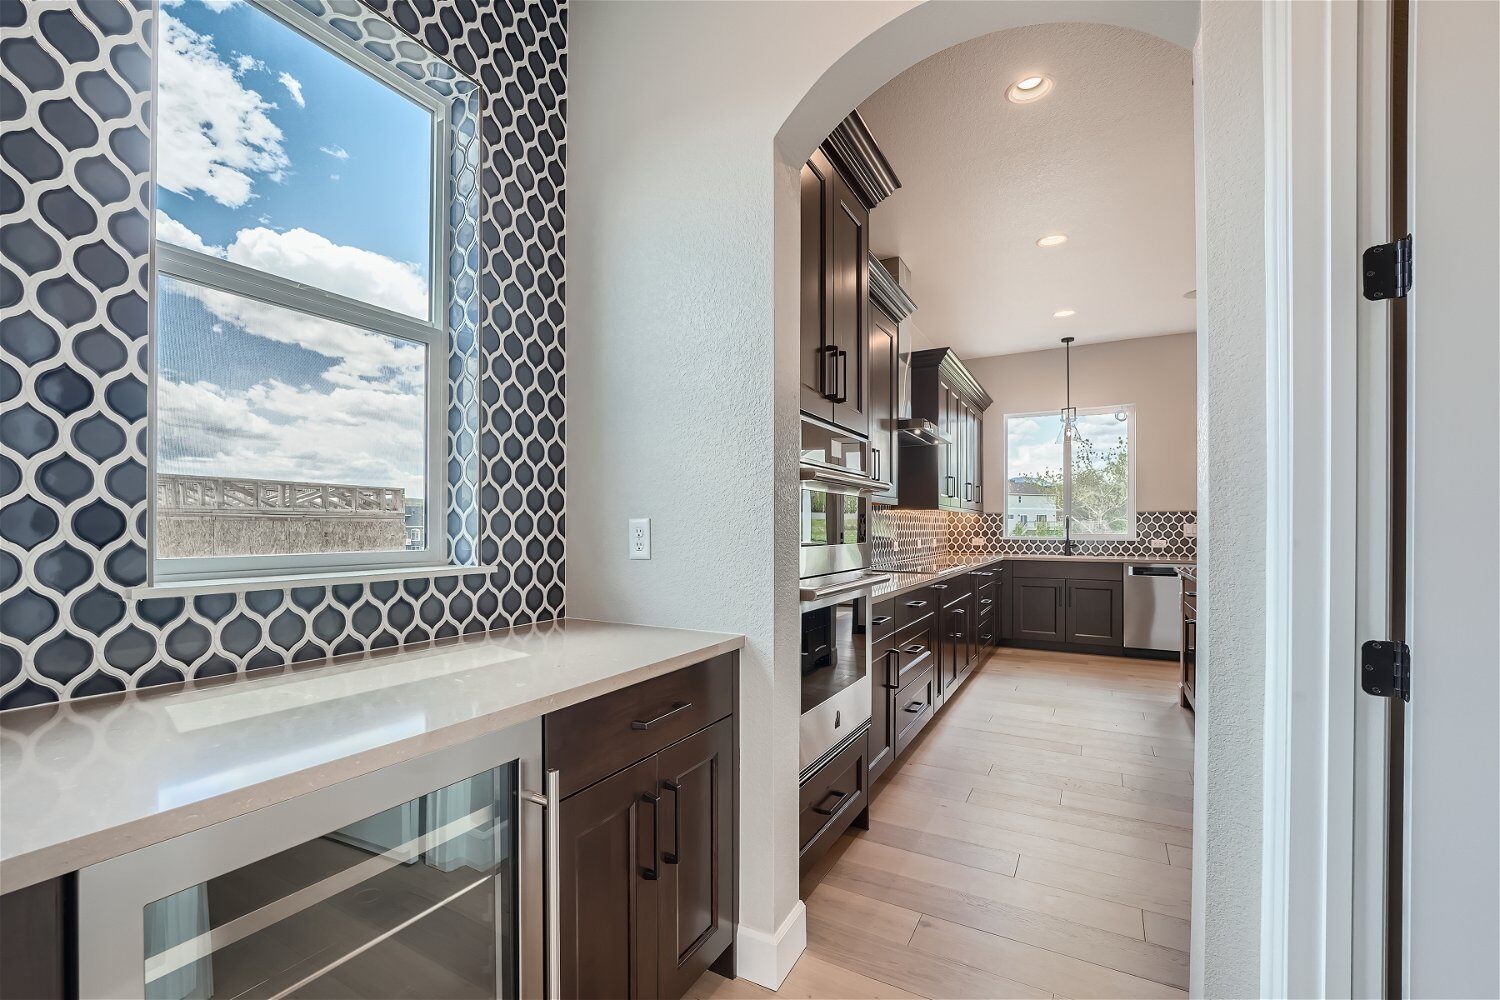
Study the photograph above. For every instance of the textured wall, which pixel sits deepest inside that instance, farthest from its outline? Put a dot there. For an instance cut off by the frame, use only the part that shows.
(73, 511)
(1232, 445)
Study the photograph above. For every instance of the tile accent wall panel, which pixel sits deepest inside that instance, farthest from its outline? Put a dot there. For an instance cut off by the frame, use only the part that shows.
(902, 536)
(75, 189)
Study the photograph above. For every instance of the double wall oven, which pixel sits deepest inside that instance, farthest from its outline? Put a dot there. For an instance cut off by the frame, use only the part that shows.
(835, 589)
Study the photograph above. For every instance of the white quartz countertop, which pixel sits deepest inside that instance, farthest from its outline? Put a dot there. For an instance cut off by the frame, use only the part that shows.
(905, 581)
(85, 781)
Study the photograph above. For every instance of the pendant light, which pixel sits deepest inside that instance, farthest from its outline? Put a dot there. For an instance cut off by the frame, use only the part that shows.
(1069, 412)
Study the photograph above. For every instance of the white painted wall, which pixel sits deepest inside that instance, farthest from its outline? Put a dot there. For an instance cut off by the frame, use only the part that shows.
(1157, 374)
(1232, 516)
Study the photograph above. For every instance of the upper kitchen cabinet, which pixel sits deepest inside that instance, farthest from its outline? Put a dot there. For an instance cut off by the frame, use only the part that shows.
(948, 475)
(890, 305)
(842, 181)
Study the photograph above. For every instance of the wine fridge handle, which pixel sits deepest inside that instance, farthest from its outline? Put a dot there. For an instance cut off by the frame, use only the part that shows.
(553, 944)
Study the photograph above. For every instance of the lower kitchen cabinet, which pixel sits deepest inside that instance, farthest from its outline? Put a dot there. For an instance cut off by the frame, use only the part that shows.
(1039, 612)
(36, 930)
(1096, 614)
(895, 660)
(1066, 606)
(1188, 658)
(832, 799)
(646, 850)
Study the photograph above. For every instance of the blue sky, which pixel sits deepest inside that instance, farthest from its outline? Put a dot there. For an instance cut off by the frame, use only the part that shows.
(277, 155)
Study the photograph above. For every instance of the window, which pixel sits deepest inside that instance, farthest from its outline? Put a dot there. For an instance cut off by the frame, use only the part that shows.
(1081, 485)
(301, 341)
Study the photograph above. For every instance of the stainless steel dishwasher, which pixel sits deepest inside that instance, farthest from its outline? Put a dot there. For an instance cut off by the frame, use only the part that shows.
(1153, 610)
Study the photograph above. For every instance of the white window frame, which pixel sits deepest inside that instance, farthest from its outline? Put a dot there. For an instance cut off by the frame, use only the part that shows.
(1067, 472)
(430, 332)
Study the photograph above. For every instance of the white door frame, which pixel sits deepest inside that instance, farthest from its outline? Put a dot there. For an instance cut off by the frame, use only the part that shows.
(1312, 91)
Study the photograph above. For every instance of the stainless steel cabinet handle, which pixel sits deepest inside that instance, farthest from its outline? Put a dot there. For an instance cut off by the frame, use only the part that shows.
(915, 649)
(957, 611)
(841, 394)
(681, 706)
(891, 685)
(826, 352)
(915, 706)
(916, 604)
(880, 619)
(939, 586)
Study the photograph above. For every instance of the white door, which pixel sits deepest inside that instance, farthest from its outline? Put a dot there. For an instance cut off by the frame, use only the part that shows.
(1451, 942)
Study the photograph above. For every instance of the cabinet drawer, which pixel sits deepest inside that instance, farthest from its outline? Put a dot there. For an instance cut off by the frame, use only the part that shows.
(883, 619)
(830, 800)
(595, 739)
(896, 659)
(987, 633)
(914, 708)
(986, 598)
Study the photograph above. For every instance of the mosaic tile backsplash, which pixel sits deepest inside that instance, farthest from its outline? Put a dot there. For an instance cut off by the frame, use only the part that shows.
(903, 537)
(75, 189)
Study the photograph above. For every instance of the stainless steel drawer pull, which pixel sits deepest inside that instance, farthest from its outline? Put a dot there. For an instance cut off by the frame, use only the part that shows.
(880, 619)
(553, 943)
(916, 604)
(915, 707)
(680, 706)
(915, 649)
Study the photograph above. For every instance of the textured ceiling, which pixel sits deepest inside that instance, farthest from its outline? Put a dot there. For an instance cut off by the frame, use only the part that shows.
(1106, 157)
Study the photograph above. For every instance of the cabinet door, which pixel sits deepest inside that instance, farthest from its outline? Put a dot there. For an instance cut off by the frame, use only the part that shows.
(1096, 613)
(958, 632)
(849, 287)
(976, 460)
(1038, 609)
(818, 364)
(696, 855)
(883, 370)
(610, 866)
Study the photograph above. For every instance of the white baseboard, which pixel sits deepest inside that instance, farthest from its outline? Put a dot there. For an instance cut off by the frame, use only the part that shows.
(766, 959)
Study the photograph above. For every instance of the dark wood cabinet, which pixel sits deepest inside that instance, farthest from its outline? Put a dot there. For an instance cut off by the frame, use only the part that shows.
(696, 888)
(1096, 614)
(945, 476)
(884, 355)
(835, 297)
(832, 799)
(608, 837)
(34, 947)
(956, 625)
(895, 659)
(1188, 658)
(1039, 612)
(646, 833)
(1065, 605)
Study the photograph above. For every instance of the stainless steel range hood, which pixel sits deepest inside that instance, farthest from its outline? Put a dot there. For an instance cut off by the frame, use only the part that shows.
(920, 430)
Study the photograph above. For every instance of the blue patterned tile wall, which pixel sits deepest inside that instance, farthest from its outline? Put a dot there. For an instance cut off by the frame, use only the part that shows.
(75, 189)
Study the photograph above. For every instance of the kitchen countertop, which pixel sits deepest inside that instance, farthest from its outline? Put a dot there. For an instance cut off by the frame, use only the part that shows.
(905, 581)
(91, 779)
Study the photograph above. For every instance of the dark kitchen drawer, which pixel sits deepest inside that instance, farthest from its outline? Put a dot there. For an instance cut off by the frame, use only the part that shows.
(883, 619)
(830, 800)
(949, 590)
(986, 599)
(897, 658)
(914, 708)
(1067, 569)
(914, 606)
(988, 631)
(595, 739)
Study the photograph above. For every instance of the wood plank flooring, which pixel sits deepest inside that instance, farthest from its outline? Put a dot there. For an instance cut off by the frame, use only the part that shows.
(1035, 842)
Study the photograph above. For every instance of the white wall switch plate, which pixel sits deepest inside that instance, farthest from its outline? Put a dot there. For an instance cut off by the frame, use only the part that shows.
(1190, 529)
(640, 538)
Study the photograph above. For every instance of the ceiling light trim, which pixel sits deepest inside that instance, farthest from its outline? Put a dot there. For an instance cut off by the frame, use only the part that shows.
(1017, 94)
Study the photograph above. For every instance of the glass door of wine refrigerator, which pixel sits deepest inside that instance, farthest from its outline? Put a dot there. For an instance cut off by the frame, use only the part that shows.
(415, 881)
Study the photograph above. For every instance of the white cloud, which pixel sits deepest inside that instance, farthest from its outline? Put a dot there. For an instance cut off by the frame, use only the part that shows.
(217, 6)
(244, 64)
(336, 151)
(308, 257)
(294, 87)
(333, 177)
(172, 231)
(367, 435)
(215, 132)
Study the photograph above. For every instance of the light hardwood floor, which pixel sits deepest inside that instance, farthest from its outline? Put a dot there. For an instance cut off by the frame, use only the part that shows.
(1036, 842)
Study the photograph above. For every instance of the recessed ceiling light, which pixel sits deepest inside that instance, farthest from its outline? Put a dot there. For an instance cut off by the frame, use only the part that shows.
(1064, 313)
(1054, 240)
(1029, 88)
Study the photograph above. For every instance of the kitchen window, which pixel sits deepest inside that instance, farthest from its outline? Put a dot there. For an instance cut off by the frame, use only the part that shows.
(301, 341)
(1079, 485)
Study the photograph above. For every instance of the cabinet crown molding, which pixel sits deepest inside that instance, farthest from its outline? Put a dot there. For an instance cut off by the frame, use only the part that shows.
(955, 373)
(887, 294)
(853, 149)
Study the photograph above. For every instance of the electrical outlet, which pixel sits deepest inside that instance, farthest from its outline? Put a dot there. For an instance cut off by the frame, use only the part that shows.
(1158, 543)
(640, 538)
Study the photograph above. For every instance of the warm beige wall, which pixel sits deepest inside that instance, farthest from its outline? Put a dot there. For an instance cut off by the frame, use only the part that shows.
(1157, 374)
